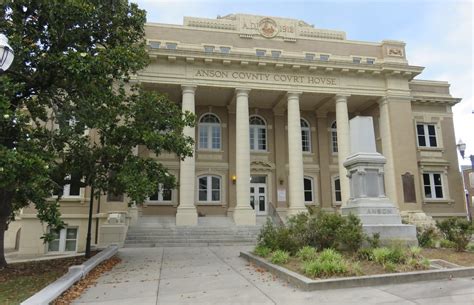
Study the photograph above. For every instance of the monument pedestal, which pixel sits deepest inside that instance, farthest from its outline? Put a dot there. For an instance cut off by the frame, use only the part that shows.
(367, 198)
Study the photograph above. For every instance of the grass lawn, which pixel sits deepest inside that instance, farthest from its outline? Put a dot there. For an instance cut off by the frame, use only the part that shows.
(20, 281)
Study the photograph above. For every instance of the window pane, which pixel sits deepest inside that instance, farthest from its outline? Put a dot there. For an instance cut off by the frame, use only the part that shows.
(71, 233)
(70, 245)
(337, 184)
(203, 137)
(307, 184)
(439, 191)
(426, 179)
(431, 130)
(154, 197)
(216, 137)
(334, 141)
(338, 196)
(75, 187)
(433, 142)
(421, 141)
(166, 195)
(428, 192)
(262, 139)
(215, 183)
(202, 195)
(53, 245)
(420, 129)
(252, 138)
(308, 196)
(215, 195)
(437, 179)
(55, 234)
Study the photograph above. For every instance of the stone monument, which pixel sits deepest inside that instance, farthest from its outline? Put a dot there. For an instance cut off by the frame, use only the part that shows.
(367, 193)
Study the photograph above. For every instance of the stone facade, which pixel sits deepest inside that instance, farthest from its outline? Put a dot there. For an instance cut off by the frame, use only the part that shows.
(294, 87)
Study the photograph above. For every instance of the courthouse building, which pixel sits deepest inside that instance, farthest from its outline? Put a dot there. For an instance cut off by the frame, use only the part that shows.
(273, 98)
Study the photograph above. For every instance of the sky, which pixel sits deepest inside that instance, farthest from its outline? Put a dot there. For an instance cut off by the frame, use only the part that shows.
(438, 34)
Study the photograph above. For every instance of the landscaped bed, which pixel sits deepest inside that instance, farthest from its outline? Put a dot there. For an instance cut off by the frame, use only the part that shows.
(19, 281)
(326, 246)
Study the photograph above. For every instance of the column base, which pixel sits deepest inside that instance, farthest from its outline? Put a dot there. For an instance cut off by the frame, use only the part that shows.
(186, 216)
(245, 217)
(295, 211)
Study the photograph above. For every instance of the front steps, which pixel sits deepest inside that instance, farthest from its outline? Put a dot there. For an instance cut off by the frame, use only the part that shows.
(210, 231)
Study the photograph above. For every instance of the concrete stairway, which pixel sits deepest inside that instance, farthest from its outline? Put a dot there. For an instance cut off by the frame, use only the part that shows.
(153, 231)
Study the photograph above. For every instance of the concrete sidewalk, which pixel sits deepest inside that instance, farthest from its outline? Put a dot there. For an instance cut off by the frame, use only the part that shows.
(216, 275)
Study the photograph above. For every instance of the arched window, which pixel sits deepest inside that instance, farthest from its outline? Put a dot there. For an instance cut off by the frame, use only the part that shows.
(258, 134)
(334, 137)
(209, 132)
(305, 136)
(308, 189)
(209, 188)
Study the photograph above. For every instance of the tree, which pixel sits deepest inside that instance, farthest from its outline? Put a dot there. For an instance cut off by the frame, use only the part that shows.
(68, 107)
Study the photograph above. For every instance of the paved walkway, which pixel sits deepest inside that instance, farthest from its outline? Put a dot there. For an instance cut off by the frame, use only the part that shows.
(216, 275)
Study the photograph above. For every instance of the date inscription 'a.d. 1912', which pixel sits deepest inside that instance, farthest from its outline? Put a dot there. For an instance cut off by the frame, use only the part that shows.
(267, 77)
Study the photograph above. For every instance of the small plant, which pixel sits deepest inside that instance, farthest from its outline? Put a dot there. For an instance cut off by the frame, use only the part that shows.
(280, 257)
(262, 251)
(380, 255)
(394, 255)
(306, 253)
(356, 268)
(328, 263)
(444, 243)
(457, 230)
(374, 241)
(276, 238)
(415, 251)
(365, 254)
(390, 267)
(470, 248)
(330, 255)
(426, 236)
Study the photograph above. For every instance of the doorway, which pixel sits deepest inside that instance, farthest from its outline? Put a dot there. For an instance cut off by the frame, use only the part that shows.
(258, 194)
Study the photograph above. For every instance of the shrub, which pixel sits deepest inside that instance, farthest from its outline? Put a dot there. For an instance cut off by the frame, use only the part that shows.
(390, 267)
(444, 243)
(415, 251)
(426, 236)
(323, 229)
(374, 241)
(262, 251)
(276, 238)
(365, 254)
(280, 257)
(380, 255)
(351, 234)
(457, 230)
(306, 253)
(298, 228)
(395, 255)
(328, 263)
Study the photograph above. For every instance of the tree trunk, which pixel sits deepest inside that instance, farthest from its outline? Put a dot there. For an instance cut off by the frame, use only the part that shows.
(5, 211)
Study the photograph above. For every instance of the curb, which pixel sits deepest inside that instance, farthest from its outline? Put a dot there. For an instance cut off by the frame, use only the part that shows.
(75, 273)
(308, 284)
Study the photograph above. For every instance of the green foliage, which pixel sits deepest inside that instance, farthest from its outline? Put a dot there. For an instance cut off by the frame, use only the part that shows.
(457, 230)
(351, 234)
(390, 267)
(280, 257)
(365, 254)
(470, 248)
(306, 253)
(415, 251)
(262, 251)
(444, 243)
(277, 238)
(374, 241)
(395, 255)
(323, 230)
(328, 263)
(426, 236)
(73, 62)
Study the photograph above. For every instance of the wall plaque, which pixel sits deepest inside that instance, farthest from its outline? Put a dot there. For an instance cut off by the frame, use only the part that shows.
(409, 194)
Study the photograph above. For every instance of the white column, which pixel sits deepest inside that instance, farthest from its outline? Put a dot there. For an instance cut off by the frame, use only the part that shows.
(295, 156)
(243, 212)
(343, 144)
(186, 215)
(387, 151)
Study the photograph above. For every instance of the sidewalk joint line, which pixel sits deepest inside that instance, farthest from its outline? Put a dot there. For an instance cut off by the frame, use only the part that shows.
(159, 276)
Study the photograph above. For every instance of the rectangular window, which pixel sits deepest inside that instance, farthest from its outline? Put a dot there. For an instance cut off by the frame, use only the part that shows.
(72, 189)
(203, 189)
(155, 44)
(334, 141)
(209, 189)
(433, 185)
(337, 190)
(225, 50)
(114, 197)
(63, 241)
(216, 186)
(370, 61)
(209, 49)
(162, 194)
(308, 190)
(426, 134)
(171, 45)
(356, 60)
(276, 54)
(260, 53)
(323, 57)
(305, 140)
(309, 56)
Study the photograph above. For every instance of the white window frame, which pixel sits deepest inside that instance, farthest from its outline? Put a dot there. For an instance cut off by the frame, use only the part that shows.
(160, 195)
(433, 186)
(257, 51)
(209, 188)
(209, 128)
(426, 135)
(356, 60)
(209, 49)
(276, 54)
(62, 240)
(324, 57)
(224, 49)
(255, 130)
(333, 137)
(333, 190)
(307, 129)
(313, 193)
(309, 56)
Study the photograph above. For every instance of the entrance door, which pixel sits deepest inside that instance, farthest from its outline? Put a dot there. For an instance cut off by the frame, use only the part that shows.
(258, 198)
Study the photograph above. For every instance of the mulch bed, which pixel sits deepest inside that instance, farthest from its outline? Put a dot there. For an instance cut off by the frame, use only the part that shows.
(465, 259)
(77, 289)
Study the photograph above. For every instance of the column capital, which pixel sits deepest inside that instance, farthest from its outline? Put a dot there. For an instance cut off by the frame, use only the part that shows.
(382, 100)
(293, 94)
(341, 98)
(188, 88)
(241, 91)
